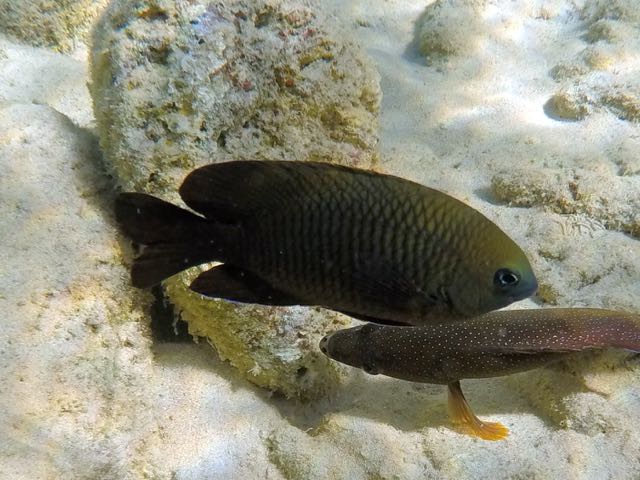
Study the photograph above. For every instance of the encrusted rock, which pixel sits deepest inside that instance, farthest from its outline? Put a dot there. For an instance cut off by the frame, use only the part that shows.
(60, 24)
(179, 84)
(450, 27)
(577, 191)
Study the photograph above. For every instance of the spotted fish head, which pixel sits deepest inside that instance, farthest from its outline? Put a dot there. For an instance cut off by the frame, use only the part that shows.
(350, 346)
(493, 273)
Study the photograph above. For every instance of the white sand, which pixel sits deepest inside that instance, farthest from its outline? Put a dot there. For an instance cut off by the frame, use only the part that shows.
(86, 393)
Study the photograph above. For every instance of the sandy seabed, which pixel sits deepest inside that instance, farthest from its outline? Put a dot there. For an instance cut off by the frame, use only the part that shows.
(528, 111)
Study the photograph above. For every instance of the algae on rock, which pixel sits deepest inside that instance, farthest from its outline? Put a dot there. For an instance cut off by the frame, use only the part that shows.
(274, 347)
(180, 84)
(59, 24)
(577, 191)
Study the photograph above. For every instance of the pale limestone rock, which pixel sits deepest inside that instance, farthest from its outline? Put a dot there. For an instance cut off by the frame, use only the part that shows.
(451, 27)
(75, 353)
(40, 76)
(601, 77)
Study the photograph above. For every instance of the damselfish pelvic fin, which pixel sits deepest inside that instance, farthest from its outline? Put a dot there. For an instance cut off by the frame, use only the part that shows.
(380, 321)
(161, 261)
(462, 415)
(233, 283)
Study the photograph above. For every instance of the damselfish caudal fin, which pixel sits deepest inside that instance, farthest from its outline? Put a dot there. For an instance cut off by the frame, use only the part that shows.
(175, 239)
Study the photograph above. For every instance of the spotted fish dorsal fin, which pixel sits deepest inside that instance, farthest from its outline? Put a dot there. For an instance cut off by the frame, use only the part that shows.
(232, 283)
(558, 330)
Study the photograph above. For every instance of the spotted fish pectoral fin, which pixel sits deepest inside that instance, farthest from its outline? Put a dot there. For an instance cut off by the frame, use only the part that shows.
(379, 282)
(233, 283)
(462, 415)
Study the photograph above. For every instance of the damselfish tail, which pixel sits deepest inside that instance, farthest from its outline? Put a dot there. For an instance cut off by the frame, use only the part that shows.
(175, 239)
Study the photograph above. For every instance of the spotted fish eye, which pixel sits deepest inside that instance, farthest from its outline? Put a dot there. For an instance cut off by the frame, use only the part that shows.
(505, 278)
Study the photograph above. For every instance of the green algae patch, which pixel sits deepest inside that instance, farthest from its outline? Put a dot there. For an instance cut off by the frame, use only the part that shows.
(273, 347)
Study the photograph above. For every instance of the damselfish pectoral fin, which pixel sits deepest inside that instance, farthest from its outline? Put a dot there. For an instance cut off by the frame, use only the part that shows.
(462, 415)
(233, 283)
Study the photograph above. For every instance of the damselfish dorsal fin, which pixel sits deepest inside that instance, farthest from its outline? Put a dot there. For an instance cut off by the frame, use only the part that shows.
(228, 191)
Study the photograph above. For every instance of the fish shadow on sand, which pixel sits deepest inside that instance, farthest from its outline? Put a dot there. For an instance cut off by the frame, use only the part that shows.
(91, 178)
(412, 407)
(406, 406)
(165, 326)
(545, 393)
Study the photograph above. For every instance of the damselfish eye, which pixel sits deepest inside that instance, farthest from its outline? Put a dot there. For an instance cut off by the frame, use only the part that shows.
(505, 278)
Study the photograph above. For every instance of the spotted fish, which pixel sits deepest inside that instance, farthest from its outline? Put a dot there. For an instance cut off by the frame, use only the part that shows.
(373, 246)
(491, 345)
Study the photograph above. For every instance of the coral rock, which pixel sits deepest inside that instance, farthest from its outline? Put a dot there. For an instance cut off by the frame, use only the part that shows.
(58, 24)
(180, 84)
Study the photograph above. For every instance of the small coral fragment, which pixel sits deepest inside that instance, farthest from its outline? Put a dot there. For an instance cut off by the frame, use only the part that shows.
(449, 27)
